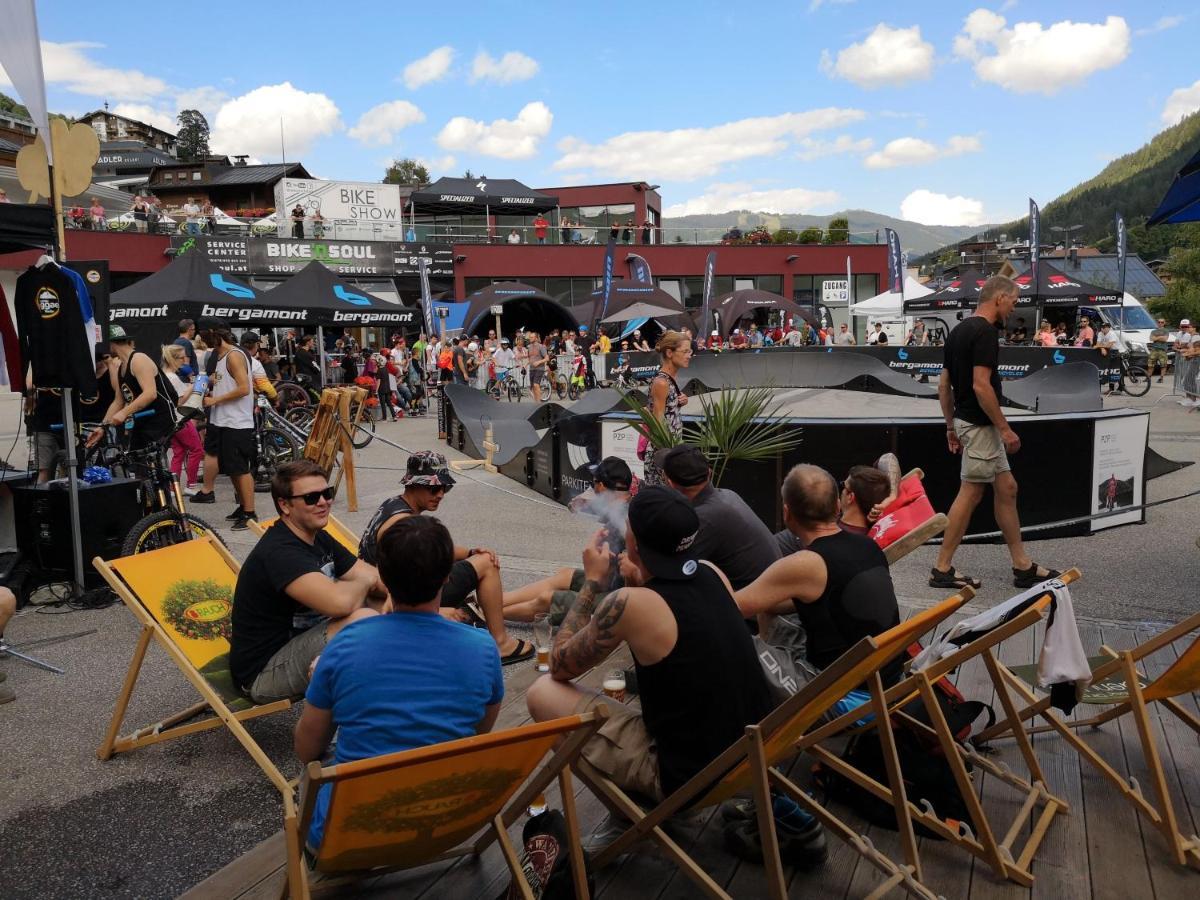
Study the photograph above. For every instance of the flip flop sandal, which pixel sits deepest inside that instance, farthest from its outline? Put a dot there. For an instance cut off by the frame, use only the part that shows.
(1027, 578)
(474, 614)
(953, 579)
(523, 651)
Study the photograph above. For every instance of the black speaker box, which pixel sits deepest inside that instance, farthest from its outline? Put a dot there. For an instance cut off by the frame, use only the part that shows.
(42, 516)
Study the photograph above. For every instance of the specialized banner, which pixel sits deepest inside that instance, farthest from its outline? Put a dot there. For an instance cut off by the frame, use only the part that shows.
(1121, 238)
(239, 255)
(895, 262)
(710, 279)
(609, 253)
(426, 296)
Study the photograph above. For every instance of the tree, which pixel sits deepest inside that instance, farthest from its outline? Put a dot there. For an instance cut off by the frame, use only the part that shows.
(12, 107)
(785, 236)
(467, 174)
(1183, 292)
(838, 231)
(406, 171)
(192, 138)
(809, 236)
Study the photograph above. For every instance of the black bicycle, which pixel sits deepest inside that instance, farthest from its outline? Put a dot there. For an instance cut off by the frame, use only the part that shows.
(276, 440)
(1133, 380)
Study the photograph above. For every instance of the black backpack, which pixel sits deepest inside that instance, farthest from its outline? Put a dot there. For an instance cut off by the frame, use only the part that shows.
(546, 860)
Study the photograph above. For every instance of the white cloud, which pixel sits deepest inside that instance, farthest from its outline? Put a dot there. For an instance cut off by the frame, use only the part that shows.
(1165, 23)
(723, 197)
(1028, 58)
(143, 112)
(816, 148)
(504, 138)
(512, 66)
(814, 5)
(930, 208)
(378, 125)
(206, 99)
(438, 165)
(1183, 102)
(888, 56)
(251, 123)
(911, 151)
(429, 68)
(68, 66)
(689, 153)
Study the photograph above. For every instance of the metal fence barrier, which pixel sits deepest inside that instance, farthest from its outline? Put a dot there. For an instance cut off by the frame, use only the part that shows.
(1187, 374)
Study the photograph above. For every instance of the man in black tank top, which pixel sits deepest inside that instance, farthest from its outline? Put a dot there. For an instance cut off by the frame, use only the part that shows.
(141, 396)
(839, 585)
(698, 674)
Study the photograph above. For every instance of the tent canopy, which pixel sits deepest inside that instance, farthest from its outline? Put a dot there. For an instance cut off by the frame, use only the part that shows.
(889, 303)
(25, 226)
(1182, 200)
(190, 286)
(1053, 288)
(327, 299)
(624, 293)
(737, 305)
(503, 196)
(640, 310)
(522, 303)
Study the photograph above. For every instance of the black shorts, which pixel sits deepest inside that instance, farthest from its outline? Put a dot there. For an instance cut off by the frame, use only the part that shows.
(233, 448)
(459, 586)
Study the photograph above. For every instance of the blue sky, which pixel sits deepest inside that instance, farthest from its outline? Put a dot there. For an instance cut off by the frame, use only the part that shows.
(941, 112)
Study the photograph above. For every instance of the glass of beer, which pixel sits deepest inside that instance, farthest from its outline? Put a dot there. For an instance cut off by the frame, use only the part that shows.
(542, 632)
(614, 685)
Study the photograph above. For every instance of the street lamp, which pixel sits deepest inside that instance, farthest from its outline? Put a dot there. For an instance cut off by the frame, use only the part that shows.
(1067, 237)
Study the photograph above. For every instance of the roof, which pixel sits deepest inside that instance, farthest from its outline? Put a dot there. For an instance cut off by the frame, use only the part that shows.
(1102, 270)
(107, 112)
(9, 146)
(110, 198)
(225, 176)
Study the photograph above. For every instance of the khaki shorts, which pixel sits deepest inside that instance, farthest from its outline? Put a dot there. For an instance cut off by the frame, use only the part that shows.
(983, 456)
(45, 445)
(622, 749)
(562, 601)
(285, 676)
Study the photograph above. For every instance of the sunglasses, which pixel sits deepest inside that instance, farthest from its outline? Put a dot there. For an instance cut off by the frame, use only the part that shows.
(312, 498)
(436, 488)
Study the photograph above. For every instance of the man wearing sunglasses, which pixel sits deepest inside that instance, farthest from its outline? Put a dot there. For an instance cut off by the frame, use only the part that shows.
(475, 569)
(296, 590)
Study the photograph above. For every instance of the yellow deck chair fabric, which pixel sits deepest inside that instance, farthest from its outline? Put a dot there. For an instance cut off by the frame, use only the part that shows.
(749, 765)
(411, 808)
(336, 529)
(183, 597)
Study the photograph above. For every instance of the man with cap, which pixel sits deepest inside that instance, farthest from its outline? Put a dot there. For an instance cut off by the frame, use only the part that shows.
(700, 680)
(607, 499)
(229, 438)
(143, 401)
(1187, 349)
(1108, 342)
(731, 536)
(476, 569)
(251, 342)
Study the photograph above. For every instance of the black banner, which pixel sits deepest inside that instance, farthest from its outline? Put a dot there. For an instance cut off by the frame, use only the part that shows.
(439, 259)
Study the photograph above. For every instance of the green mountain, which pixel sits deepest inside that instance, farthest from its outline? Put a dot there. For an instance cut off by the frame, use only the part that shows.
(914, 237)
(1132, 185)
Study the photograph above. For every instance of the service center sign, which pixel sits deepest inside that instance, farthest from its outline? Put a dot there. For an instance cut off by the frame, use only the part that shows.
(287, 257)
(349, 201)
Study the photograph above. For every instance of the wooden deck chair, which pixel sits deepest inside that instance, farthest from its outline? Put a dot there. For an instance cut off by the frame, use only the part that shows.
(908, 521)
(982, 841)
(420, 806)
(750, 765)
(183, 595)
(336, 529)
(1117, 681)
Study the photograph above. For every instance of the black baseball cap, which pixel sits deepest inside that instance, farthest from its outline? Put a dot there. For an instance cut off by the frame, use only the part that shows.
(665, 527)
(250, 337)
(685, 465)
(614, 473)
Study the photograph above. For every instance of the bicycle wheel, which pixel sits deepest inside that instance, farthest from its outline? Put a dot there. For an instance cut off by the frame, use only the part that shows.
(291, 396)
(560, 386)
(514, 391)
(363, 434)
(300, 416)
(164, 529)
(1135, 381)
(573, 391)
(278, 447)
(493, 388)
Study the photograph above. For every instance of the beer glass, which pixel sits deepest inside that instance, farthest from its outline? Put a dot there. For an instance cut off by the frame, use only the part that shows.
(614, 685)
(542, 631)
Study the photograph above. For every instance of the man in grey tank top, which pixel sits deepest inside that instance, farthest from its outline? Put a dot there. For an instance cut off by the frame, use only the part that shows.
(229, 437)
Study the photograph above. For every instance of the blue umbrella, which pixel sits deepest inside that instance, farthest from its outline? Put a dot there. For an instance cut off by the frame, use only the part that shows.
(1182, 201)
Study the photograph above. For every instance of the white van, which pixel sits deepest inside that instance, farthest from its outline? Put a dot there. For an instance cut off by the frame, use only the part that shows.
(1131, 319)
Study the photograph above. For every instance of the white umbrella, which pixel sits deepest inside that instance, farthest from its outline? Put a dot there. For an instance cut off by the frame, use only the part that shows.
(223, 218)
(642, 311)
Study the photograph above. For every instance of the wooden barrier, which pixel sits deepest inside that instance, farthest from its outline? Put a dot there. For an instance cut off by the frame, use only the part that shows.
(329, 444)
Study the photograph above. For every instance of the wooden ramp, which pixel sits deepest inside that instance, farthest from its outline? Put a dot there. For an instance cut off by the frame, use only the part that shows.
(1102, 849)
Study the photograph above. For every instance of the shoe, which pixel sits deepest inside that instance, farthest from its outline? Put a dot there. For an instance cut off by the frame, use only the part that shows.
(235, 515)
(610, 829)
(801, 839)
(952, 580)
(241, 523)
(1160, 381)
(7, 694)
(1027, 578)
(189, 491)
(204, 497)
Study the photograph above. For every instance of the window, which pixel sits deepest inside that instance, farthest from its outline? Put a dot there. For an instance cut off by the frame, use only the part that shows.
(772, 283)
(196, 176)
(168, 176)
(743, 284)
(865, 287)
(560, 290)
(802, 289)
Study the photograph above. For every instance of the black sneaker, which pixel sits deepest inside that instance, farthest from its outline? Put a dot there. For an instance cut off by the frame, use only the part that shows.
(803, 847)
(241, 523)
(203, 497)
(235, 515)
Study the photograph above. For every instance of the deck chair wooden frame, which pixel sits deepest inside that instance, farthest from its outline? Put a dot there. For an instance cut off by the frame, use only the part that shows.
(180, 724)
(999, 853)
(927, 530)
(570, 732)
(336, 528)
(750, 764)
(1181, 677)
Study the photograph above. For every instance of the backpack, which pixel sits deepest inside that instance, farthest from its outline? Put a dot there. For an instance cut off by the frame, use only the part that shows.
(546, 860)
(446, 359)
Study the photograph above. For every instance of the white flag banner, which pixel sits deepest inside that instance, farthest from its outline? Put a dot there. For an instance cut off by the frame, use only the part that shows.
(21, 59)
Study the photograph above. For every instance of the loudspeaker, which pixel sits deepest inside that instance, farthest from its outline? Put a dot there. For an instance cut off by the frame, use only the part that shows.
(42, 516)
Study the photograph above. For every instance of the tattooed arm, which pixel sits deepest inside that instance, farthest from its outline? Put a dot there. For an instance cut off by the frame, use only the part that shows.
(889, 465)
(590, 632)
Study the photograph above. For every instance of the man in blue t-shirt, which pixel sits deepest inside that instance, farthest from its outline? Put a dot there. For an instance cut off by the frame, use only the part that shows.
(403, 680)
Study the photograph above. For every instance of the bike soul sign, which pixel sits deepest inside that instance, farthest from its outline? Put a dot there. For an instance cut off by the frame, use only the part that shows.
(286, 257)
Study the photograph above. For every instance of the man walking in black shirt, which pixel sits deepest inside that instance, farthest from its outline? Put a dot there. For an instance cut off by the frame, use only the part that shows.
(306, 364)
(969, 392)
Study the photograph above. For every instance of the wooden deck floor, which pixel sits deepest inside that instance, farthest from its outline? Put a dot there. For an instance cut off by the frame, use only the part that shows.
(1101, 849)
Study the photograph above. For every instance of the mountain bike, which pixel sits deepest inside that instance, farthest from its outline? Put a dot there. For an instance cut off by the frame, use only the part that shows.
(1133, 380)
(276, 441)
